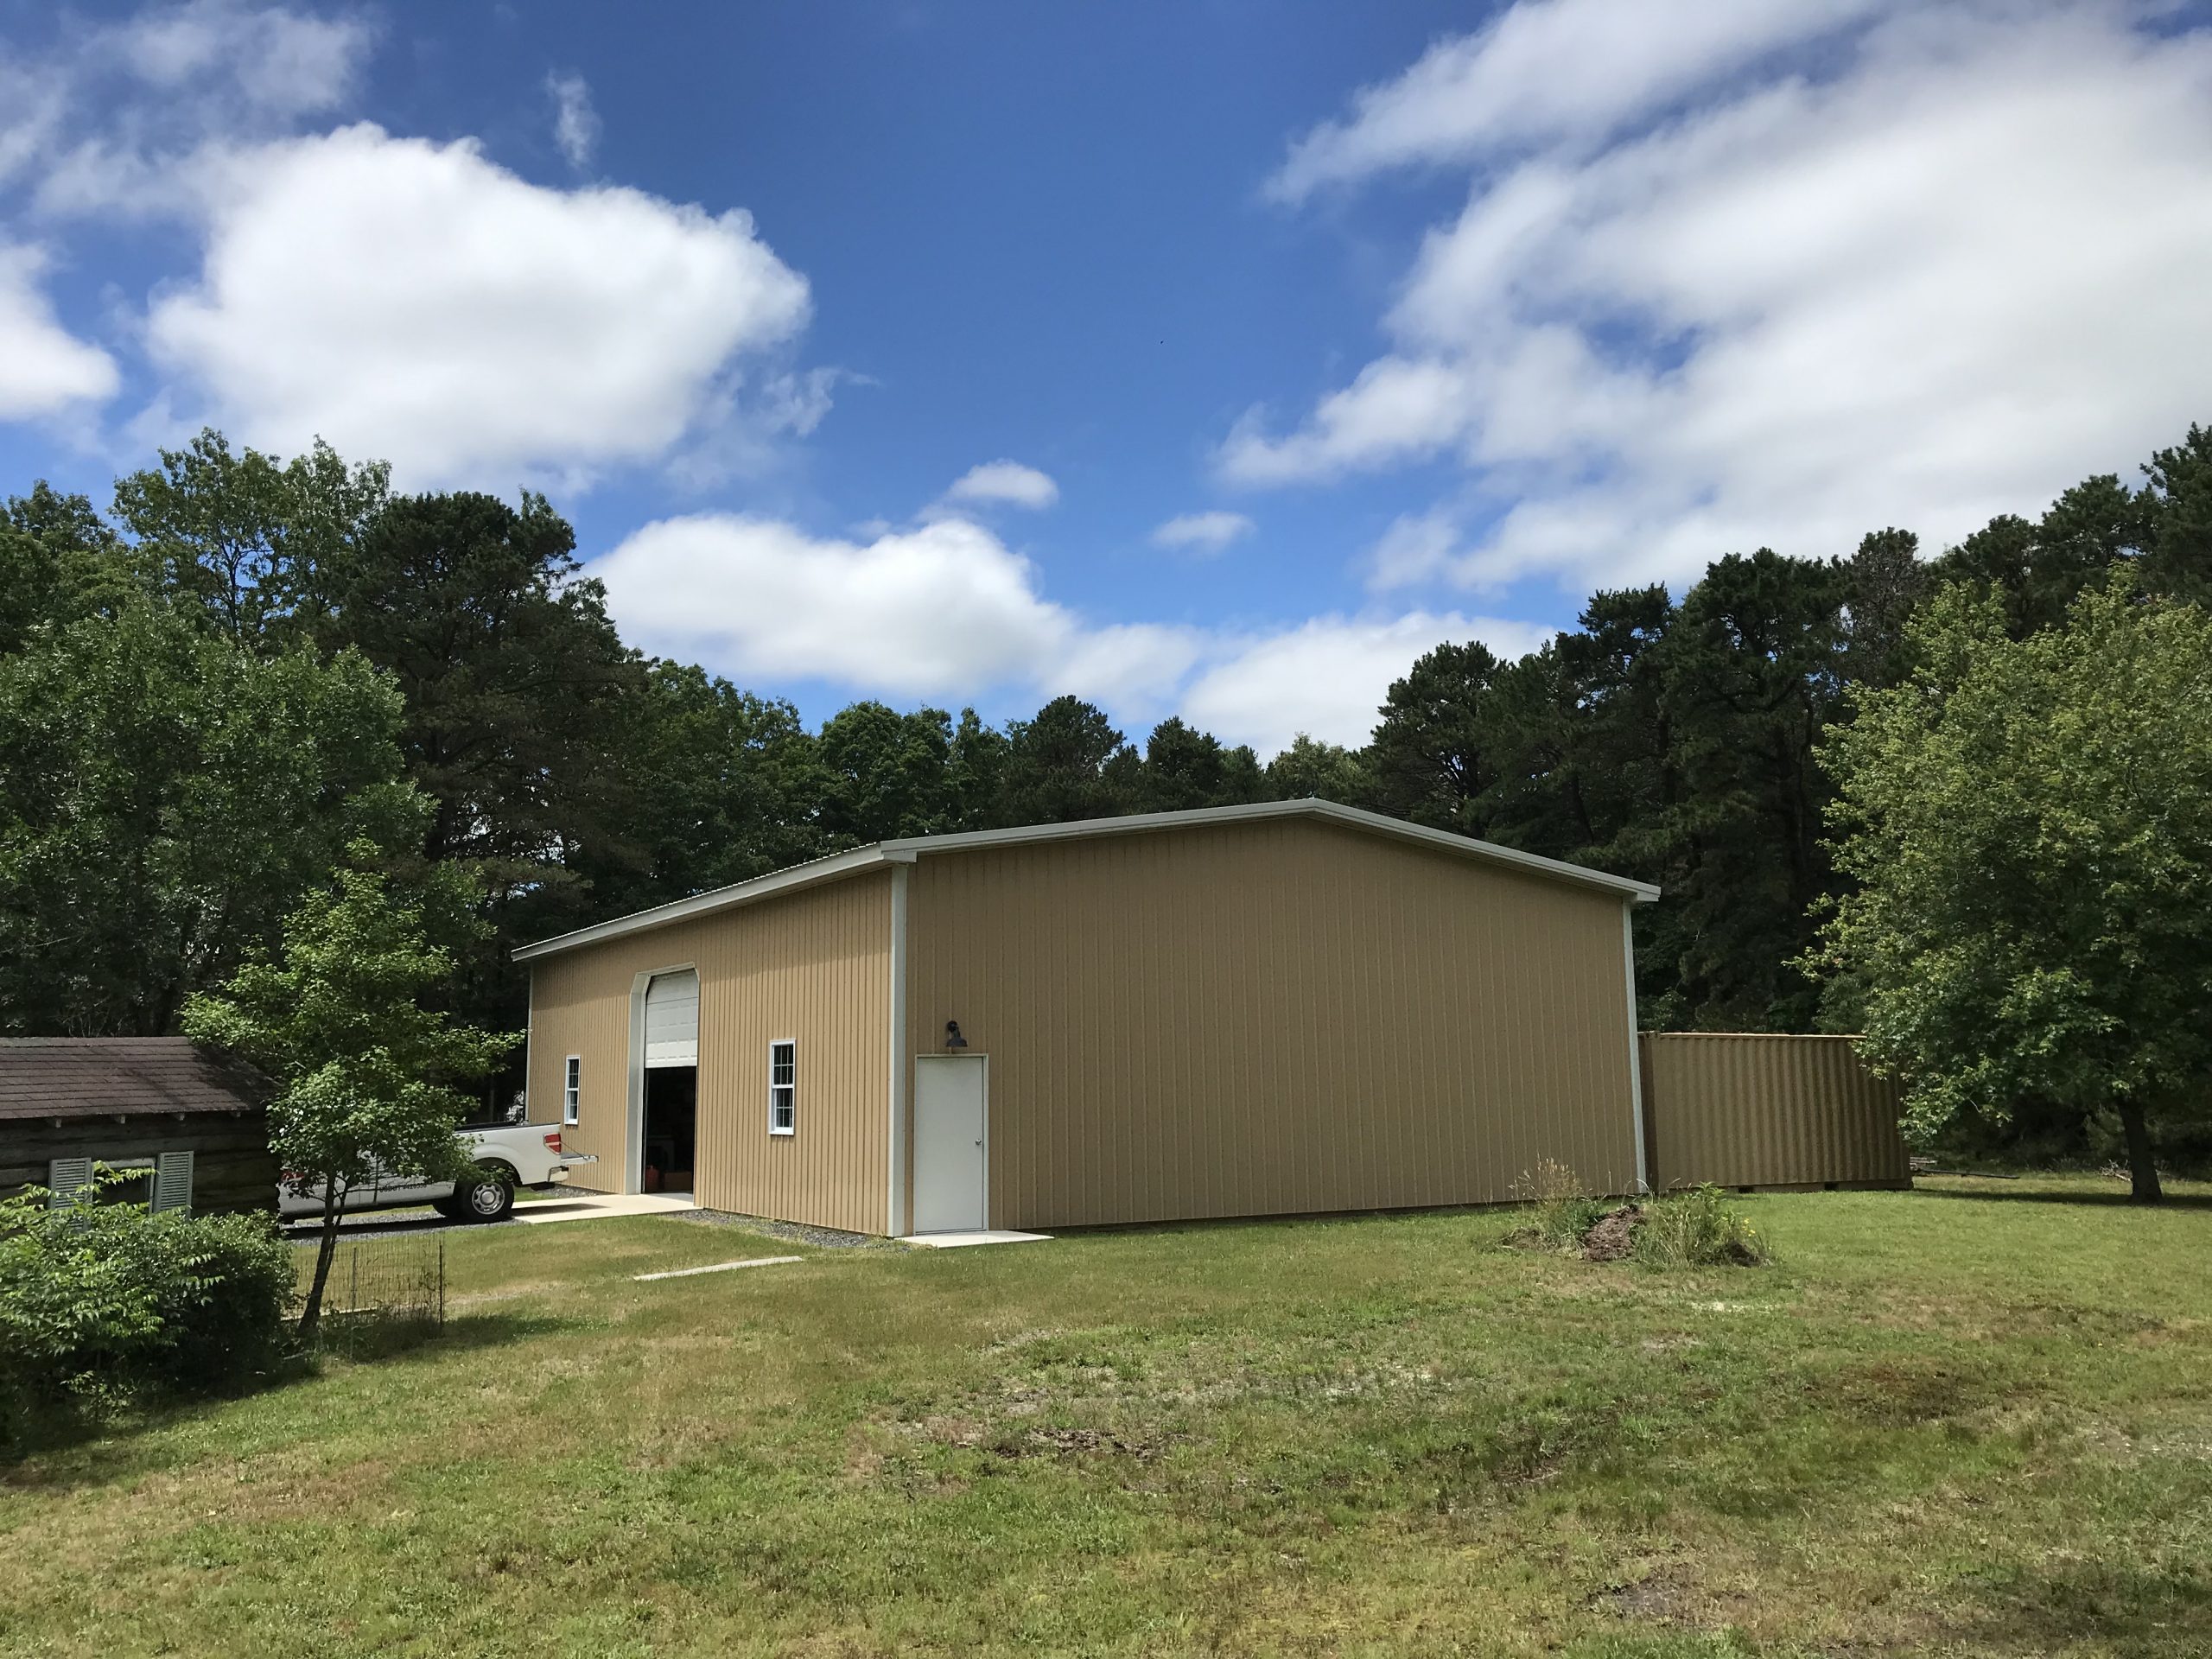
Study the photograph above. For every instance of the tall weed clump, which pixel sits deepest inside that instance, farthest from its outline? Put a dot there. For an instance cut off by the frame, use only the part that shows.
(1560, 1213)
(1698, 1229)
(104, 1304)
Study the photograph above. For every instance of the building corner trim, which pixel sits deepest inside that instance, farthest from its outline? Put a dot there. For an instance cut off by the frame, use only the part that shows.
(1635, 1047)
(895, 1169)
(633, 1167)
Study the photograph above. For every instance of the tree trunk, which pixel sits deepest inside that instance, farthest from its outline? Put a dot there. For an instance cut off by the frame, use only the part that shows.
(311, 1315)
(2142, 1165)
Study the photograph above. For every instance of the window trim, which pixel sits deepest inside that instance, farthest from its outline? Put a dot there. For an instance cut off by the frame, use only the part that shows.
(572, 1089)
(792, 1088)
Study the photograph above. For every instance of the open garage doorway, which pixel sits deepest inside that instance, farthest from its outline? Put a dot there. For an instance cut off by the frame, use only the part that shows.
(669, 1137)
(672, 1127)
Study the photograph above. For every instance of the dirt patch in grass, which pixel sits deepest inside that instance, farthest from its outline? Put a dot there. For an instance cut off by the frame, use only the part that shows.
(1661, 1597)
(1614, 1235)
(1074, 1443)
(1004, 1423)
(1903, 1394)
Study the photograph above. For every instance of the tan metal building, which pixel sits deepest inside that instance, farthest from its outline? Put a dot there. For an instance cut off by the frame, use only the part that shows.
(1281, 1008)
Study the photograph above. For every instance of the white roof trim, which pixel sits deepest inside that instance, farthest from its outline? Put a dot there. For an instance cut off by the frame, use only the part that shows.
(702, 904)
(906, 850)
(1351, 817)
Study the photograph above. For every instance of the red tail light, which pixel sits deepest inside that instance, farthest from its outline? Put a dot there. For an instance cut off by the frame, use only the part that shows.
(553, 1141)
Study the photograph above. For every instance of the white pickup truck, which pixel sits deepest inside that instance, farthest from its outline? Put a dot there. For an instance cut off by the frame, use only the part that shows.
(508, 1156)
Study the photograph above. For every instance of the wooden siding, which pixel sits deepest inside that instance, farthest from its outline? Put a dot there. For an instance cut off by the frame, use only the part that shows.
(814, 966)
(232, 1166)
(1762, 1111)
(1271, 1017)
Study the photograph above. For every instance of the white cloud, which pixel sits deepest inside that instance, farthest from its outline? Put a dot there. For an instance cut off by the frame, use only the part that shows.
(404, 299)
(32, 104)
(1202, 532)
(44, 369)
(1551, 71)
(278, 60)
(1328, 676)
(1417, 547)
(947, 611)
(1396, 408)
(575, 122)
(102, 118)
(1945, 266)
(942, 610)
(415, 301)
(1005, 480)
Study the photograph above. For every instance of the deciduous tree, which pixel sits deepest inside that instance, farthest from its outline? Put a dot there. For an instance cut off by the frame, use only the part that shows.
(2029, 825)
(250, 541)
(1311, 769)
(165, 798)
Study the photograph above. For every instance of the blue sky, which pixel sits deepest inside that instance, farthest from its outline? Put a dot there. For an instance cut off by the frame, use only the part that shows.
(1417, 321)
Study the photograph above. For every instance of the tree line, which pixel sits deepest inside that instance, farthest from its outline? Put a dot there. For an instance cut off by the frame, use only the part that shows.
(245, 666)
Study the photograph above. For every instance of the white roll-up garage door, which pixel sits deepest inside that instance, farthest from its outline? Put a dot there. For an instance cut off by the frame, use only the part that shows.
(672, 1020)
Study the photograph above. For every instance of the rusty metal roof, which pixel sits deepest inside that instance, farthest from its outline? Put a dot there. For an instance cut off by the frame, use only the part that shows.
(108, 1076)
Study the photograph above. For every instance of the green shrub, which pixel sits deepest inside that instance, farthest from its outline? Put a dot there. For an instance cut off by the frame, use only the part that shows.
(102, 1304)
(1698, 1229)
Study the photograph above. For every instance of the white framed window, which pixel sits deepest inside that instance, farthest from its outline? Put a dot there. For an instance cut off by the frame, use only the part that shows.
(782, 1086)
(572, 1089)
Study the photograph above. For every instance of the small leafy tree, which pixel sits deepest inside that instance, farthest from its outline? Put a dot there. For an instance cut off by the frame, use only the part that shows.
(2029, 826)
(364, 1072)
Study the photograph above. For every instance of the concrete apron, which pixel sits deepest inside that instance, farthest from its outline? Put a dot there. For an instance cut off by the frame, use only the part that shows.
(595, 1206)
(962, 1241)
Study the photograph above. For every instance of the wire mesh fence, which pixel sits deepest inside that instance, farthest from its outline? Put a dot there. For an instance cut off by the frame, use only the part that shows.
(397, 1280)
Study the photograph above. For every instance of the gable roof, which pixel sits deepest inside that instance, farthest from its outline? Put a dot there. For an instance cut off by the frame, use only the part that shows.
(906, 849)
(111, 1077)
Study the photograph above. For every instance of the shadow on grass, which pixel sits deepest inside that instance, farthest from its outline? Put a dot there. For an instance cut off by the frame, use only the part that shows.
(60, 1450)
(2128, 1608)
(2118, 1198)
(379, 1339)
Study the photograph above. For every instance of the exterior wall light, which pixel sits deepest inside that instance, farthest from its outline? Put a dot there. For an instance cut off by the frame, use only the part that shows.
(952, 1037)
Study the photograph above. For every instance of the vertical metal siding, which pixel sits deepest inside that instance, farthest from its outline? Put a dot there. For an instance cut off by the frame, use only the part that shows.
(1271, 1017)
(1753, 1110)
(813, 966)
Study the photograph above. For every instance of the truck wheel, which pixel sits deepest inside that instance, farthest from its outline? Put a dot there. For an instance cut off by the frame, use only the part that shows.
(485, 1195)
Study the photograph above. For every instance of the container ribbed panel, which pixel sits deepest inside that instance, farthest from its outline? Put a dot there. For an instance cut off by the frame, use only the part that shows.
(1755, 1109)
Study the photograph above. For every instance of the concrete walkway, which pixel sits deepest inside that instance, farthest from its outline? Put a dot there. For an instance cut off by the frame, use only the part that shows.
(717, 1267)
(595, 1206)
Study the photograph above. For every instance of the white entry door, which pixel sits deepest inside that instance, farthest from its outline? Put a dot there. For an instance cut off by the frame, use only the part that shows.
(948, 1150)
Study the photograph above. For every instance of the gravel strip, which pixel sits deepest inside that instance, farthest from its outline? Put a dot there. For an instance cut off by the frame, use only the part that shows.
(828, 1238)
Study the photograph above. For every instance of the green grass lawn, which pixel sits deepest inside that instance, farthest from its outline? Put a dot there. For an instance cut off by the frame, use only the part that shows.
(1973, 1418)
